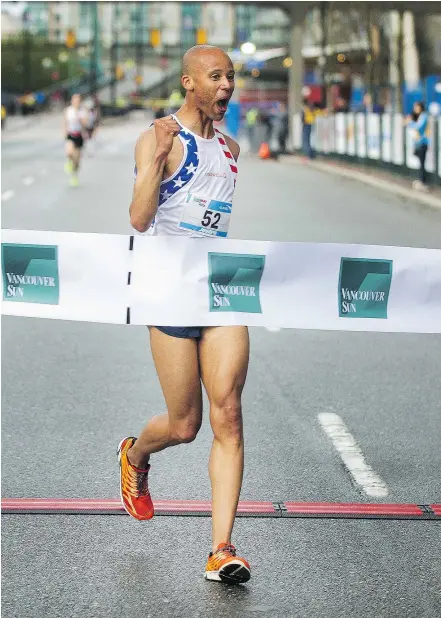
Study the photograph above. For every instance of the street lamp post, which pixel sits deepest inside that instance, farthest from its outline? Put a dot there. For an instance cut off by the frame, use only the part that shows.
(323, 60)
(95, 47)
(138, 42)
(114, 52)
(26, 53)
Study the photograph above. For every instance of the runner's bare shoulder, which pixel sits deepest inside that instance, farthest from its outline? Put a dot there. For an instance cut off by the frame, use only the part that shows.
(232, 145)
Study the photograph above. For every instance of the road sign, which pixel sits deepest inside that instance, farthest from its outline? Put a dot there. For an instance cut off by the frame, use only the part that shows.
(155, 37)
(71, 39)
(201, 36)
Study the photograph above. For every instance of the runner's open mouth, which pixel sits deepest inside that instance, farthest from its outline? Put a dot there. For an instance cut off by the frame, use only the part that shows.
(222, 104)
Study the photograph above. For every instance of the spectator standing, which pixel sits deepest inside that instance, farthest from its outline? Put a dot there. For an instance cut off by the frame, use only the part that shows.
(419, 123)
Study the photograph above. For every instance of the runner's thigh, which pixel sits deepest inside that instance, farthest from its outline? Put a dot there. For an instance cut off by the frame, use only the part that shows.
(177, 365)
(223, 355)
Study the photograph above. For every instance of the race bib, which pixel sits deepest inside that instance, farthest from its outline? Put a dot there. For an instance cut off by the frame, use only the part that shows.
(206, 216)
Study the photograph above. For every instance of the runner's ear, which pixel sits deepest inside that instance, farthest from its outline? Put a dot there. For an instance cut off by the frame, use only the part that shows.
(187, 82)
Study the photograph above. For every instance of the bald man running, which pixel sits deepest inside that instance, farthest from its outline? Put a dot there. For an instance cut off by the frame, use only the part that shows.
(183, 163)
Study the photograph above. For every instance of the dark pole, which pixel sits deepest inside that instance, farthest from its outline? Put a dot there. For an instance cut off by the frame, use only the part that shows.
(113, 53)
(139, 29)
(95, 47)
(324, 58)
(369, 73)
(399, 93)
(26, 53)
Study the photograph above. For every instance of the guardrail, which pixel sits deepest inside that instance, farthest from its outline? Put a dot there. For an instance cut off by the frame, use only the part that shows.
(376, 140)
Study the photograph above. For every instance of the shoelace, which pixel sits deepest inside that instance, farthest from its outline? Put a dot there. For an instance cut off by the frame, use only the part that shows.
(225, 552)
(138, 485)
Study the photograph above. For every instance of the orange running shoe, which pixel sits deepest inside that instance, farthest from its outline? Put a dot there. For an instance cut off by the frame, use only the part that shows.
(134, 488)
(224, 566)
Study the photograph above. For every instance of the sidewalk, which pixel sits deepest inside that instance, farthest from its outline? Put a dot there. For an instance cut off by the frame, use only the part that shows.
(15, 123)
(32, 126)
(46, 122)
(380, 179)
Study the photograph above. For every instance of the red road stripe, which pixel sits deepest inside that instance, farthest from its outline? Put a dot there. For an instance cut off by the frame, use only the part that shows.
(352, 508)
(113, 505)
(89, 504)
(256, 507)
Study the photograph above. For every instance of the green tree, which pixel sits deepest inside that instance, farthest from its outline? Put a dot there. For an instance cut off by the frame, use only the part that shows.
(29, 63)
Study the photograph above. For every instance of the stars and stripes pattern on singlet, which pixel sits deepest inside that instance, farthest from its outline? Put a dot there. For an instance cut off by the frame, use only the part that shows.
(227, 152)
(186, 171)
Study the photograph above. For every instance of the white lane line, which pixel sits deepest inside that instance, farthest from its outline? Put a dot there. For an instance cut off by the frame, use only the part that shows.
(28, 180)
(353, 459)
(273, 329)
(7, 195)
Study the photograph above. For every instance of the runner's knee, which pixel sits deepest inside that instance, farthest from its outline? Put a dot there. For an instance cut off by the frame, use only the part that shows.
(185, 430)
(226, 416)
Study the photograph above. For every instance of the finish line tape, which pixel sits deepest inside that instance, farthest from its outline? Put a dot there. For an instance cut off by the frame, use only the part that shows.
(179, 281)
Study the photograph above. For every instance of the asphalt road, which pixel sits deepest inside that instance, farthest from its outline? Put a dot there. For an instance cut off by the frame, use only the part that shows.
(70, 391)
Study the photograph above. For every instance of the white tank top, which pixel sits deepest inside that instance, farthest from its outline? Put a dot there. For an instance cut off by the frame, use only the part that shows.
(73, 120)
(197, 199)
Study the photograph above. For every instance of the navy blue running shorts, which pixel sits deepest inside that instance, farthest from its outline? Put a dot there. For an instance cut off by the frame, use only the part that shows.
(183, 332)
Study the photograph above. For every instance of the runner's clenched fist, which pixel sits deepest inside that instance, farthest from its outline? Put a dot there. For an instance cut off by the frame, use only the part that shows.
(166, 129)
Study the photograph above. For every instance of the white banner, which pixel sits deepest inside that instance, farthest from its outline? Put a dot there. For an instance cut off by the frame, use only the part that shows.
(64, 275)
(431, 157)
(340, 133)
(386, 131)
(331, 133)
(373, 136)
(360, 132)
(398, 140)
(179, 281)
(352, 149)
(297, 131)
(380, 137)
(319, 132)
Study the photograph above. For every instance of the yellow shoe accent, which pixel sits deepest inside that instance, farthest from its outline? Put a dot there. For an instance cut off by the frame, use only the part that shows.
(68, 167)
(74, 182)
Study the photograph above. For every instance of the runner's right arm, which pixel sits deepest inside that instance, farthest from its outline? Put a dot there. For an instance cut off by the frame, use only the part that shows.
(151, 154)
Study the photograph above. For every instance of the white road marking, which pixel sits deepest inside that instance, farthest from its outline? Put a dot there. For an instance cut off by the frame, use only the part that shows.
(28, 180)
(353, 459)
(273, 329)
(7, 195)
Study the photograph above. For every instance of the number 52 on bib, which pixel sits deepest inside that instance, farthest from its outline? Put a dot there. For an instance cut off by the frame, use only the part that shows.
(206, 216)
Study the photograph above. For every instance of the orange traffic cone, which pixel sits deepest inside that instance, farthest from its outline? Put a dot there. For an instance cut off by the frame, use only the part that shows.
(264, 151)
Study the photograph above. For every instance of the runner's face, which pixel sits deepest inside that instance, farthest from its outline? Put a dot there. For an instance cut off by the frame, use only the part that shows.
(76, 100)
(213, 84)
